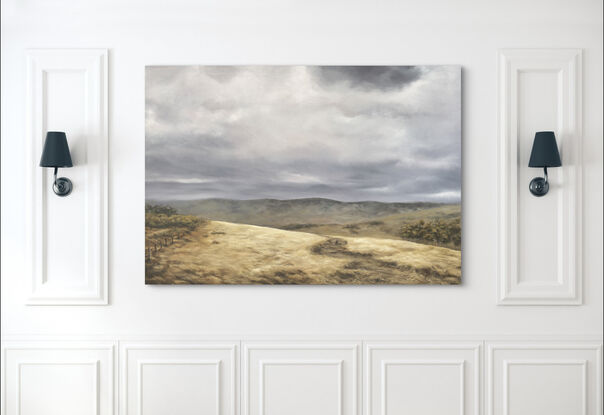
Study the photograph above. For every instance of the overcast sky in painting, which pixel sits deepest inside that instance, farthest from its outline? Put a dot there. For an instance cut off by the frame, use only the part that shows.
(390, 134)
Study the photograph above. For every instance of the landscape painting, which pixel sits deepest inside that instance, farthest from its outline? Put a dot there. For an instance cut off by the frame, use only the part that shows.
(303, 175)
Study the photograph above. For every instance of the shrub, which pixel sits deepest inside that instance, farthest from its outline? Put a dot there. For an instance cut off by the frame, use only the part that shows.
(435, 232)
(153, 220)
(160, 209)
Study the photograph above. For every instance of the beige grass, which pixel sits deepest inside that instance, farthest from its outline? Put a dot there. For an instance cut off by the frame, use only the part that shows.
(228, 253)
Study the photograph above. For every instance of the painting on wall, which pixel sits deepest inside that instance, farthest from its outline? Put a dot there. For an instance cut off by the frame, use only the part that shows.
(303, 175)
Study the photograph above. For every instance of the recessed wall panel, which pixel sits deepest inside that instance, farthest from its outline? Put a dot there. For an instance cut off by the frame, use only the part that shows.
(422, 378)
(180, 378)
(539, 238)
(544, 378)
(300, 378)
(538, 231)
(58, 378)
(67, 236)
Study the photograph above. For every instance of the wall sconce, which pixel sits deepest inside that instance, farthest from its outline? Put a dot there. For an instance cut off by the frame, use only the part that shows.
(56, 154)
(544, 154)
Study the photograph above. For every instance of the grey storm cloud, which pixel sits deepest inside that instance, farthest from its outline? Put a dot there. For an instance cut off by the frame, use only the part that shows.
(380, 77)
(390, 134)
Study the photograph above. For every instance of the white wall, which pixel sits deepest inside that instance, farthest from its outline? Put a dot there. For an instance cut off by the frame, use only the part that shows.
(139, 33)
(464, 32)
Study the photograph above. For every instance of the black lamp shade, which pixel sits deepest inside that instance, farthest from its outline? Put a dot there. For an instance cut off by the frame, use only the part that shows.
(56, 151)
(545, 151)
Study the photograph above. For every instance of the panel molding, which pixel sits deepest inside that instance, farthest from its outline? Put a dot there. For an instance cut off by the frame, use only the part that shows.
(591, 369)
(501, 352)
(474, 348)
(248, 348)
(424, 362)
(95, 376)
(566, 289)
(128, 347)
(91, 287)
(171, 362)
(298, 362)
(44, 354)
(545, 362)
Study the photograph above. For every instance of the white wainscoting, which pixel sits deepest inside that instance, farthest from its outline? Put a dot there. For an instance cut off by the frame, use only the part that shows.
(368, 376)
(58, 378)
(404, 378)
(67, 91)
(179, 378)
(539, 237)
(301, 378)
(552, 379)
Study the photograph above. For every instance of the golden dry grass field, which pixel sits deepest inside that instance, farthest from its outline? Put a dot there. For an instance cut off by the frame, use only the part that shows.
(218, 252)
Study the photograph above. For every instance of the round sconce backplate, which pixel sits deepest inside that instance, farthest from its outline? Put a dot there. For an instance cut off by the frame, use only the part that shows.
(62, 186)
(539, 186)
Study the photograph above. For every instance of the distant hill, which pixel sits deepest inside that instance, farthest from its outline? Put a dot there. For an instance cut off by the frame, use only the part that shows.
(278, 213)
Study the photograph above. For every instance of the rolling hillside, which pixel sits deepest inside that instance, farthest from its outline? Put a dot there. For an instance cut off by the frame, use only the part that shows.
(323, 216)
(227, 253)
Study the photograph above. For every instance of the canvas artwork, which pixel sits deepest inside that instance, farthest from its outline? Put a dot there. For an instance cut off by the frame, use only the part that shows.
(303, 175)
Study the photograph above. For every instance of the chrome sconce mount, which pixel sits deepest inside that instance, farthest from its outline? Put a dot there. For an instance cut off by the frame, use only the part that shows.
(62, 186)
